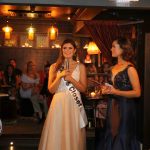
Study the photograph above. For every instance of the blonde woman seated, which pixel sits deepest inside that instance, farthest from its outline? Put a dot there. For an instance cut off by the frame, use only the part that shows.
(30, 89)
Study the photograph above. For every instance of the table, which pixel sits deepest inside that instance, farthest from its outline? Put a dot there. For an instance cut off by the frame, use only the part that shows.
(8, 108)
(91, 103)
(3, 95)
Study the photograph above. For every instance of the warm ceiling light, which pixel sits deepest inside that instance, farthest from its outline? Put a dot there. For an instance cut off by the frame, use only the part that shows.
(53, 32)
(12, 14)
(93, 49)
(68, 18)
(31, 32)
(32, 15)
(47, 15)
(7, 29)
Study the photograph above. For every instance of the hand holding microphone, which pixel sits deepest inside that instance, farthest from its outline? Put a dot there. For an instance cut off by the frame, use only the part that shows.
(68, 75)
(67, 64)
(64, 70)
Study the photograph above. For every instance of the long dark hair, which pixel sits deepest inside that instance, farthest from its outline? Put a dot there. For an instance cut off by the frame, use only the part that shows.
(10, 80)
(128, 52)
(61, 58)
(7, 67)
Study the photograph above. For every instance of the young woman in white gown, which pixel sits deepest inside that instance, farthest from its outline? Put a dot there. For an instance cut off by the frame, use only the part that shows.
(64, 128)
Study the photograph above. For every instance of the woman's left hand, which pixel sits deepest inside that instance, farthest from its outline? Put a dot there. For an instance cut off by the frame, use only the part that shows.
(112, 90)
(108, 90)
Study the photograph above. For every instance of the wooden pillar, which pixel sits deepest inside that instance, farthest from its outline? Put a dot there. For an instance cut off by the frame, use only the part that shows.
(146, 127)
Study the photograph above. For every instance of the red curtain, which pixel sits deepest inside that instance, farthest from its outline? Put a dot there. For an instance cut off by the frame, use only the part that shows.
(104, 32)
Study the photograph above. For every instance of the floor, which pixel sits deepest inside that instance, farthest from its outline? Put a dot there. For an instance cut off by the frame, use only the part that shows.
(23, 125)
(24, 134)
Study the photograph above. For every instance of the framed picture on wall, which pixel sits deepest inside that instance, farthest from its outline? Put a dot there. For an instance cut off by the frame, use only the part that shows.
(42, 41)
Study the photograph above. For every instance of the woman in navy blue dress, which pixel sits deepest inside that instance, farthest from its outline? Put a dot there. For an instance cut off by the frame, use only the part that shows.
(121, 117)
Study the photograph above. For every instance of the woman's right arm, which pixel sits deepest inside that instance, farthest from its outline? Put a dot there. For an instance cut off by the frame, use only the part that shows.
(54, 79)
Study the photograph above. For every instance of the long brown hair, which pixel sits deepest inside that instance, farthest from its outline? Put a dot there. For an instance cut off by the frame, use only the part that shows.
(128, 52)
(61, 58)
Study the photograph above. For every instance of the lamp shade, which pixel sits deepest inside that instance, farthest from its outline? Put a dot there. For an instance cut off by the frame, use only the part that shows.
(7, 30)
(93, 49)
(52, 32)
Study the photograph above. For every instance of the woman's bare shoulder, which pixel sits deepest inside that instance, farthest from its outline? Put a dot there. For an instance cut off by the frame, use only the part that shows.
(112, 67)
(81, 65)
(53, 66)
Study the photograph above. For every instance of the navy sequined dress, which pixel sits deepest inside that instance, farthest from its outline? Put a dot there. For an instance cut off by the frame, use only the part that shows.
(121, 118)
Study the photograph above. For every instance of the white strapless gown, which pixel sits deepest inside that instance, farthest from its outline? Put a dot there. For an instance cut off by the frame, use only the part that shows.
(62, 126)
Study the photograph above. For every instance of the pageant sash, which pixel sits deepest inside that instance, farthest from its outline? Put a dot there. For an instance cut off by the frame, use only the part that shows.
(77, 98)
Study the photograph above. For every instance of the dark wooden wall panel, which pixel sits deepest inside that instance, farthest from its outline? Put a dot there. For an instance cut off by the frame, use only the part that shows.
(147, 94)
(23, 55)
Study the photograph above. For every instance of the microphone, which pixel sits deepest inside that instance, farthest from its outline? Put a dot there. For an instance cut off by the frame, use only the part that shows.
(67, 68)
(67, 64)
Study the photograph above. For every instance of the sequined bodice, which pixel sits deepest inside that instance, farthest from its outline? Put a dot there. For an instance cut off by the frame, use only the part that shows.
(122, 81)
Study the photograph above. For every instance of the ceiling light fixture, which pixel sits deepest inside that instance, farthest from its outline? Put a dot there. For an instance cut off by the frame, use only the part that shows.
(7, 30)
(31, 32)
(32, 15)
(68, 18)
(53, 32)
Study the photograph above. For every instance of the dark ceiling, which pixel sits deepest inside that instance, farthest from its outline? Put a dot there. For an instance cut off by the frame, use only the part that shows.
(137, 4)
(25, 14)
(15, 11)
(45, 14)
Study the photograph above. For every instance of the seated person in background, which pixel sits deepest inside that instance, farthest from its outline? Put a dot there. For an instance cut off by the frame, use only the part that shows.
(106, 67)
(17, 71)
(92, 74)
(10, 81)
(30, 89)
(91, 69)
(44, 93)
(9, 76)
(106, 70)
(91, 77)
